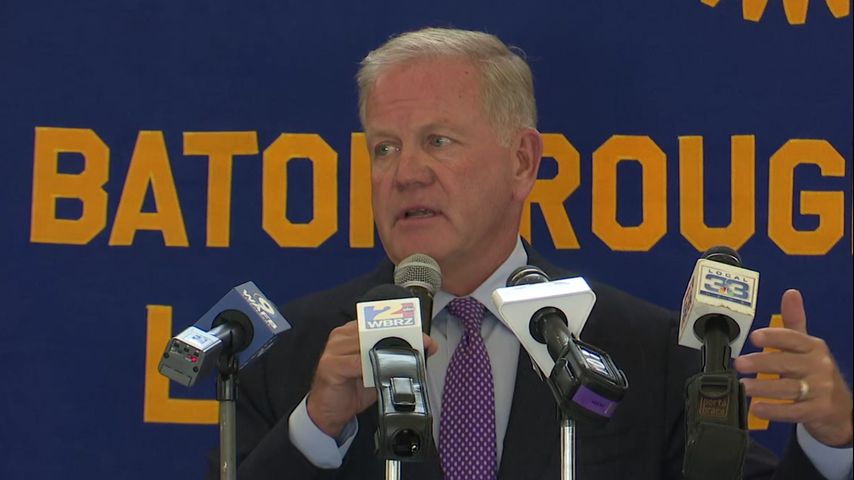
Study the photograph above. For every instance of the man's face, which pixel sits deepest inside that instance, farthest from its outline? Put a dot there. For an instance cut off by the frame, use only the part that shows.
(442, 183)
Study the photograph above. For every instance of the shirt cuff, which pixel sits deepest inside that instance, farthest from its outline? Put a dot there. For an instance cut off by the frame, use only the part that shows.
(833, 463)
(319, 448)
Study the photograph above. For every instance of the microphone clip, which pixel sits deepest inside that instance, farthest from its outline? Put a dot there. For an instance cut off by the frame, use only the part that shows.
(586, 384)
(716, 420)
(405, 425)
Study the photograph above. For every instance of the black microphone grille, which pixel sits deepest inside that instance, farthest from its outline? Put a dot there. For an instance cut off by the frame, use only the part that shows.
(385, 291)
(527, 275)
(418, 270)
(722, 254)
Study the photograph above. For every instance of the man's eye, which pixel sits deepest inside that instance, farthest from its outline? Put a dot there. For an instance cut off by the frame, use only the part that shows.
(384, 149)
(439, 141)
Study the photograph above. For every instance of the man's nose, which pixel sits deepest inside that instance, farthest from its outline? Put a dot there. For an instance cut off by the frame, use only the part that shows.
(414, 167)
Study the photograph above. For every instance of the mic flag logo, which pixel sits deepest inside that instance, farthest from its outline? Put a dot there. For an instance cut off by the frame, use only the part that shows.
(262, 306)
(390, 314)
(796, 10)
(727, 286)
(379, 320)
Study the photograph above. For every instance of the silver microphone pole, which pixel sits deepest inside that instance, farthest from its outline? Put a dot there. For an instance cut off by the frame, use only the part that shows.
(392, 469)
(567, 448)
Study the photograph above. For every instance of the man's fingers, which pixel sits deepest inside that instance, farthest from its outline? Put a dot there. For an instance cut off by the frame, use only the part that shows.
(343, 367)
(783, 363)
(430, 346)
(792, 309)
(783, 339)
(780, 388)
(343, 340)
(782, 412)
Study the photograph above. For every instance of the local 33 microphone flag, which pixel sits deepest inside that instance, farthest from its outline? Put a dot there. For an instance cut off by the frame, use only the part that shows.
(717, 288)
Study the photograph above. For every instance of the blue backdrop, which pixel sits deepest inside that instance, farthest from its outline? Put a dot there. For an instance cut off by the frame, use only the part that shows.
(129, 209)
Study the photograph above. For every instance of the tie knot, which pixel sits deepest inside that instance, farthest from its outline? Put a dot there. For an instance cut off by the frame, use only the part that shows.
(470, 311)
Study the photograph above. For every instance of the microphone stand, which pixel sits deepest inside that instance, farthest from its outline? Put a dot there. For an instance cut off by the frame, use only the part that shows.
(226, 394)
(567, 447)
(557, 338)
(392, 469)
(564, 382)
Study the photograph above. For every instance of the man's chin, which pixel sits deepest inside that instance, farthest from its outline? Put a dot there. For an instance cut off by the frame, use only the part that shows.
(402, 252)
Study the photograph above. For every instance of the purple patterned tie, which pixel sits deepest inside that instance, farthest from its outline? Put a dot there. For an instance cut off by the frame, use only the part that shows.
(467, 429)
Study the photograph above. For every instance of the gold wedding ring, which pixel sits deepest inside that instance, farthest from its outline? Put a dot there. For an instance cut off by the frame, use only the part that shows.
(805, 390)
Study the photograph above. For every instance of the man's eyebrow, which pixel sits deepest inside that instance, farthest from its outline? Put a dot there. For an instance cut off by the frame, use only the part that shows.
(379, 133)
(427, 128)
(434, 126)
(452, 128)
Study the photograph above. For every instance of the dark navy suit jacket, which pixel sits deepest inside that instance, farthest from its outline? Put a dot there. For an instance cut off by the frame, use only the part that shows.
(643, 440)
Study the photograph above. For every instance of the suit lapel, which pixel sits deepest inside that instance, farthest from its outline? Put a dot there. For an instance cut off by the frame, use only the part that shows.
(532, 440)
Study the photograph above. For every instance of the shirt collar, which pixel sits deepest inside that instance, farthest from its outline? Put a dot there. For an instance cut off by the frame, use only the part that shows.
(483, 293)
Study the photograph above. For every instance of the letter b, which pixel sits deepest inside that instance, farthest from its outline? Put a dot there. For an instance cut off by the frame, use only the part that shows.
(86, 186)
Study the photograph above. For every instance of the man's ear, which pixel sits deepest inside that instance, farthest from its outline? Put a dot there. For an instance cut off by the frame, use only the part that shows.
(527, 150)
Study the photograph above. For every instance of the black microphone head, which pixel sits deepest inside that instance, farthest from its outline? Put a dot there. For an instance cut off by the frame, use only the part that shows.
(722, 254)
(385, 291)
(527, 275)
(418, 270)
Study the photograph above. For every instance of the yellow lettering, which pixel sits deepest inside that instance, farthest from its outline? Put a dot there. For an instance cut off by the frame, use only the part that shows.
(753, 9)
(796, 11)
(839, 8)
(829, 206)
(220, 148)
(653, 161)
(50, 185)
(157, 406)
(324, 161)
(742, 194)
(149, 165)
(361, 213)
(550, 194)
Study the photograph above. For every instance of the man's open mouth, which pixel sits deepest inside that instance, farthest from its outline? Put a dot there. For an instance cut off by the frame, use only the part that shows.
(419, 213)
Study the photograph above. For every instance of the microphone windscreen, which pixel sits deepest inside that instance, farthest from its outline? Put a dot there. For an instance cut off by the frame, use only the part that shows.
(527, 275)
(418, 270)
(722, 254)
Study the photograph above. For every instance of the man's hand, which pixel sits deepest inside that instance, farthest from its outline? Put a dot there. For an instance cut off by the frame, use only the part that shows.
(337, 393)
(808, 375)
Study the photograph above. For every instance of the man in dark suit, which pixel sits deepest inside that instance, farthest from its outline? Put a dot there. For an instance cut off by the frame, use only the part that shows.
(450, 122)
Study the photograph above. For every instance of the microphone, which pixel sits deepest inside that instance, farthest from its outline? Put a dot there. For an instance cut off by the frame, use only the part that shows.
(388, 315)
(530, 293)
(242, 321)
(421, 275)
(584, 381)
(718, 307)
(390, 337)
(717, 311)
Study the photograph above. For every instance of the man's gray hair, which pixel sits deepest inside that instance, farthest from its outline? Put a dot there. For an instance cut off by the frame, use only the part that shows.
(507, 86)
